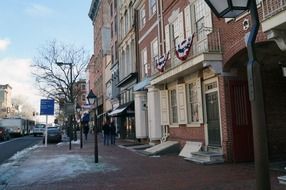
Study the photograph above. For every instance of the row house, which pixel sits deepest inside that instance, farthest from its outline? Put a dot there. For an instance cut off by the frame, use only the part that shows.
(98, 69)
(179, 73)
(192, 76)
(125, 55)
(149, 46)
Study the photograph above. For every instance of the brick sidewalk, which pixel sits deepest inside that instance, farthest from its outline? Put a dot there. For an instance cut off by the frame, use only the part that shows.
(135, 171)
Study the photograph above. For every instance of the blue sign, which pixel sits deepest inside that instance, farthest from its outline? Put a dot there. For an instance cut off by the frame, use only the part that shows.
(47, 107)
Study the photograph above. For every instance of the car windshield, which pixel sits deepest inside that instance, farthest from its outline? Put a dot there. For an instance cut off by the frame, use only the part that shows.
(40, 126)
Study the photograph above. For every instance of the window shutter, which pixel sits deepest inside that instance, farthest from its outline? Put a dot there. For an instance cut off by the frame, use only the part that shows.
(200, 101)
(180, 26)
(188, 23)
(164, 107)
(167, 38)
(181, 103)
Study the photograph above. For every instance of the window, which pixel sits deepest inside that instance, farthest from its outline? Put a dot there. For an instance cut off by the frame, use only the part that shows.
(83, 98)
(155, 52)
(153, 7)
(83, 87)
(193, 103)
(144, 63)
(126, 22)
(111, 10)
(176, 32)
(173, 104)
(142, 17)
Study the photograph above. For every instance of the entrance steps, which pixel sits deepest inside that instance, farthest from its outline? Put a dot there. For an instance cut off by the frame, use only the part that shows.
(282, 179)
(212, 156)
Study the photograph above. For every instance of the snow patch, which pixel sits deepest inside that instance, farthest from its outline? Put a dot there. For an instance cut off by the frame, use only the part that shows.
(45, 169)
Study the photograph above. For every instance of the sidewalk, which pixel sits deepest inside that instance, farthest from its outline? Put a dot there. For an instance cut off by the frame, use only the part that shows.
(56, 167)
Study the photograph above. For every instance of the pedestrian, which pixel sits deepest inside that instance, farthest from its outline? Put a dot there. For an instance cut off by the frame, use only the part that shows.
(85, 130)
(106, 132)
(112, 132)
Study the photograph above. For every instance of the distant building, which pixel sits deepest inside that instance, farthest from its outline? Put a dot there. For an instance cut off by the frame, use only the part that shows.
(80, 87)
(5, 99)
(98, 69)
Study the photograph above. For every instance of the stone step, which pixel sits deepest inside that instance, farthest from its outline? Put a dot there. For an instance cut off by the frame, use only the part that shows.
(203, 157)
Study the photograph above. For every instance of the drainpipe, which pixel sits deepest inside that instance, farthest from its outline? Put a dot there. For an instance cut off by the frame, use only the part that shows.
(162, 26)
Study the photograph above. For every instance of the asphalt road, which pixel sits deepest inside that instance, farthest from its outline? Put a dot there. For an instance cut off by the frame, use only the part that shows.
(9, 148)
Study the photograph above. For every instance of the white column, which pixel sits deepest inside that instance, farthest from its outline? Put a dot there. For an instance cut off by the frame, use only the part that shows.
(154, 117)
(141, 126)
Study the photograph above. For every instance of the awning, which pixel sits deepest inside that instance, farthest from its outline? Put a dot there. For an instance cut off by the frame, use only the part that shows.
(103, 114)
(121, 110)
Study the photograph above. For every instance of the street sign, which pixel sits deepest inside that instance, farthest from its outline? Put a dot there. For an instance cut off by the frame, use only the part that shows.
(69, 108)
(47, 107)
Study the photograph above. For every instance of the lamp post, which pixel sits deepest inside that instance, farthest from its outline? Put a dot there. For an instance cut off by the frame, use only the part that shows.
(78, 109)
(71, 98)
(231, 9)
(92, 98)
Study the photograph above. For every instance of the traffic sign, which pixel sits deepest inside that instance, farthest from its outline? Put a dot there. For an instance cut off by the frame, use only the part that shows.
(47, 107)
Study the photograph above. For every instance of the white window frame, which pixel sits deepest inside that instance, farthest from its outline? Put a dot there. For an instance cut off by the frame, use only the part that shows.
(144, 63)
(152, 8)
(173, 107)
(197, 87)
(154, 53)
(142, 16)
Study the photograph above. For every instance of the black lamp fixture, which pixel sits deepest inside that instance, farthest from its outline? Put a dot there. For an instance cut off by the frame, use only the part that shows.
(91, 97)
(228, 8)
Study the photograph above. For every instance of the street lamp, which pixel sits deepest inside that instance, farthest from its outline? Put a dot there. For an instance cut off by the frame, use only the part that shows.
(231, 9)
(71, 98)
(92, 98)
(78, 109)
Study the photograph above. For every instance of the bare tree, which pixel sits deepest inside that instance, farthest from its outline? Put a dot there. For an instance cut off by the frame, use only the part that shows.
(54, 81)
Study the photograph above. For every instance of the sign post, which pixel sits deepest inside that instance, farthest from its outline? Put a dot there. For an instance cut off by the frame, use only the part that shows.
(47, 108)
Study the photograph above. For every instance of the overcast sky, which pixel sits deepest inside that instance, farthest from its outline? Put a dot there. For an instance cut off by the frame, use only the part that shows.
(26, 25)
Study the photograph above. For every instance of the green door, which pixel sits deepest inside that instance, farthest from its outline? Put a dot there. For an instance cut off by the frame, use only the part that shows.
(213, 119)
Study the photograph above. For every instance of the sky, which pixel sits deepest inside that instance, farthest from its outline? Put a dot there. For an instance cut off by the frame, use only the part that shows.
(26, 26)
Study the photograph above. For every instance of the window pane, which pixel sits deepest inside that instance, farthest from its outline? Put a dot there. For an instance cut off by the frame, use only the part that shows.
(193, 105)
(174, 111)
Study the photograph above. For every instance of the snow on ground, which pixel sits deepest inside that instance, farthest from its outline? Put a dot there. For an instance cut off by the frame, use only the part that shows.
(24, 168)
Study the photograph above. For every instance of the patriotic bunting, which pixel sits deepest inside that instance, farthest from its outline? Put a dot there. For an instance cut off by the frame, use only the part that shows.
(161, 62)
(183, 49)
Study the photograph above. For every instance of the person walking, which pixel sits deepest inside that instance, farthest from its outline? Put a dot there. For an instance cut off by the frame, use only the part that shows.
(112, 132)
(85, 130)
(106, 132)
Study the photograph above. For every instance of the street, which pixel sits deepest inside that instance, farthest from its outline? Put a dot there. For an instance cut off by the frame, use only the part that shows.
(9, 148)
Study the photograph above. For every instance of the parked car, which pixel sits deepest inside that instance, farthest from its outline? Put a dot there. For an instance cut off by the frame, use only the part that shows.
(39, 129)
(4, 134)
(54, 135)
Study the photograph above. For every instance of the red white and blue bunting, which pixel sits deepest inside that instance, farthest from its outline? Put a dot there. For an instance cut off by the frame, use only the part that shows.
(161, 62)
(183, 49)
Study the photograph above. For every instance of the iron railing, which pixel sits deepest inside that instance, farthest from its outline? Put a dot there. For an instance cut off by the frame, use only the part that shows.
(272, 7)
(206, 40)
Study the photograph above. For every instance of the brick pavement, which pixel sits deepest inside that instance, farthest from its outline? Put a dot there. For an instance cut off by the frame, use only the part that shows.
(139, 172)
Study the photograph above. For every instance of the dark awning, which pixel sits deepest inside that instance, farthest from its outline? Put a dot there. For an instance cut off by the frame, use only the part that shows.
(123, 110)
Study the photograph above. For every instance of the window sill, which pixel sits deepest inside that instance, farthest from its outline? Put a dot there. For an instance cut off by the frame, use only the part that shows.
(174, 125)
(194, 125)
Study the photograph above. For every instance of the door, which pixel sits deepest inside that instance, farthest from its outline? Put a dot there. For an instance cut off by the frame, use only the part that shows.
(241, 122)
(213, 119)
